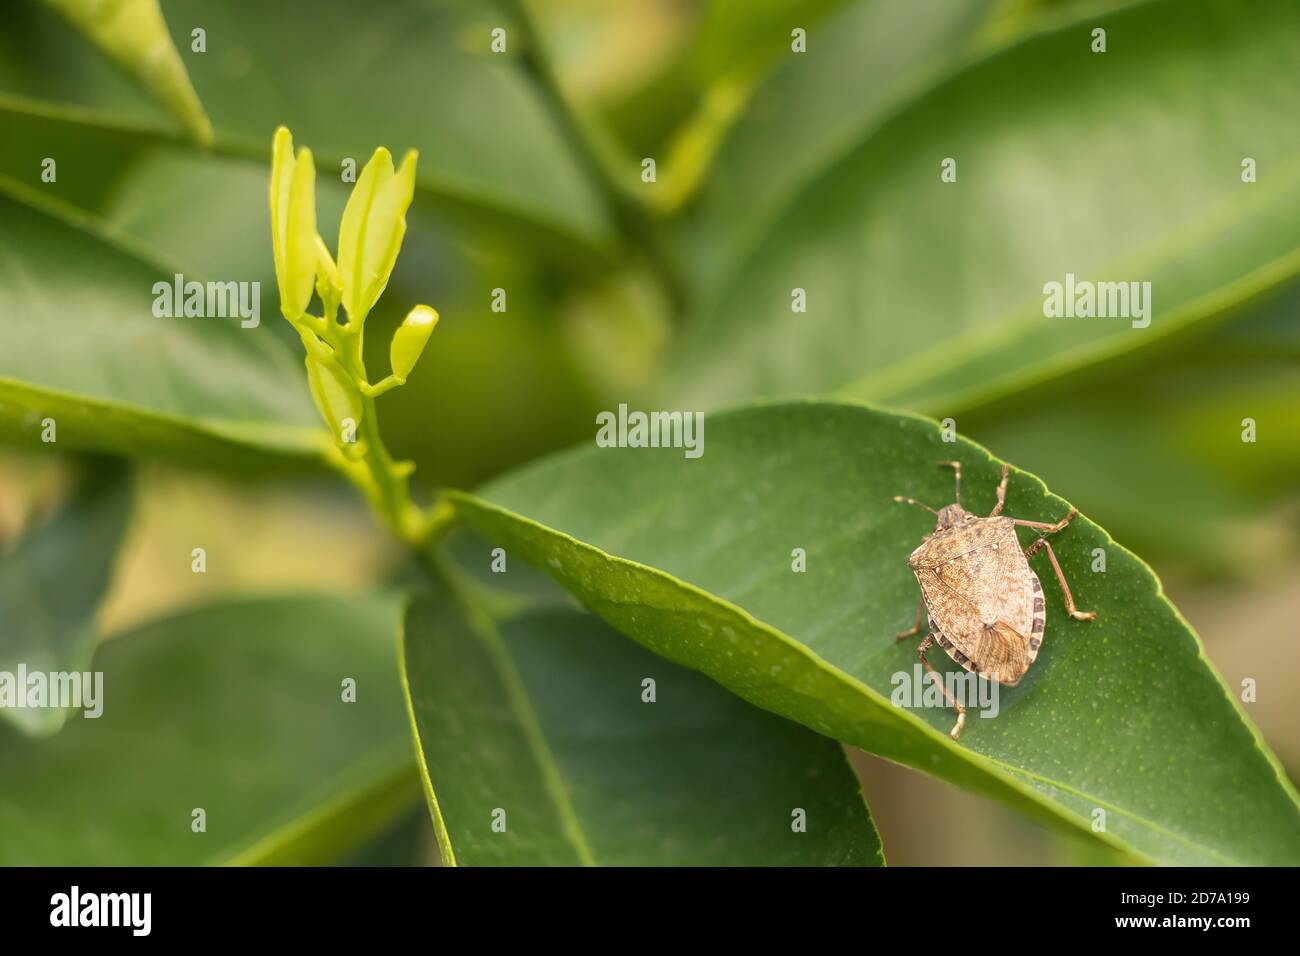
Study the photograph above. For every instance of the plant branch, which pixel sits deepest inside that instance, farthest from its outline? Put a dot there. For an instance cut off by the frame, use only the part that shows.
(636, 225)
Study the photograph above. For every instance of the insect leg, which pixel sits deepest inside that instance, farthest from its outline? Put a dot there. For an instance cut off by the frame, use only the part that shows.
(1002, 492)
(956, 467)
(912, 501)
(961, 711)
(1044, 526)
(1060, 576)
(916, 629)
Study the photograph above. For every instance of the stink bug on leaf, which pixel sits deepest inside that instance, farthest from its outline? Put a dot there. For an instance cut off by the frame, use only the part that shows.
(983, 603)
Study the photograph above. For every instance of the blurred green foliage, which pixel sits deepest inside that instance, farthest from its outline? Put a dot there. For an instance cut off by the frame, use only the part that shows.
(776, 170)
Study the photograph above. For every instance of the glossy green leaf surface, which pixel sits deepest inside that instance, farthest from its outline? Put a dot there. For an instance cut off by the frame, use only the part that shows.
(539, 747)
(236, 709)
(1123, 166)
(89, 340)
(52, 581)
(862, 62)
(695, 559)
(406, 74)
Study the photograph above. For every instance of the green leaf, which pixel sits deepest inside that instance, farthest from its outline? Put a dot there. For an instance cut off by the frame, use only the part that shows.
(1111, 167)
(236, 709)
(88, 164)
(134, 35)
(693, 559)
(405, 73)
(80, 344)
(545, 722)
(53, 580)
(863, 61)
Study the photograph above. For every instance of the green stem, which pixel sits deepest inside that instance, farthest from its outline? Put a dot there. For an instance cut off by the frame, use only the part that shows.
(638, 228)
(389, 488)
(368, 464)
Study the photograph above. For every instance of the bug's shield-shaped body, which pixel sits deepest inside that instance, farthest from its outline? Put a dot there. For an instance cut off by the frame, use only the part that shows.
(984, 602)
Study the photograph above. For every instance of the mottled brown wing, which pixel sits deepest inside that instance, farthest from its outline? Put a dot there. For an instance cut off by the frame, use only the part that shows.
(985, 602)
(995, 651)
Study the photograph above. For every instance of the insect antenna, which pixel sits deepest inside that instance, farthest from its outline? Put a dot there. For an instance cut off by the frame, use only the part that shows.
(912, 501)
(956, 467)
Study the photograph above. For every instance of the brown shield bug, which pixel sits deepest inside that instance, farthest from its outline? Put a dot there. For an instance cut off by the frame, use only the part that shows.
(983, 602)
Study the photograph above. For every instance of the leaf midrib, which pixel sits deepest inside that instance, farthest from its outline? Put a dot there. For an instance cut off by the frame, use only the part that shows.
(531, 725)
(484, 630)
(376, 776)
(993, 334)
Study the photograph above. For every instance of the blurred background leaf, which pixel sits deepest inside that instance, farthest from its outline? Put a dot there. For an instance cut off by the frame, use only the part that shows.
(865, 61)
(1123, 165)
(53, 578)
(408, 842)
(80, 344)
(233, 708)
(409, 73)
(134, 35)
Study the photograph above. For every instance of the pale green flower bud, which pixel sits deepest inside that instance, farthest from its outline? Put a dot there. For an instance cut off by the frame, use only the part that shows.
(374, 224)
(410, 338)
